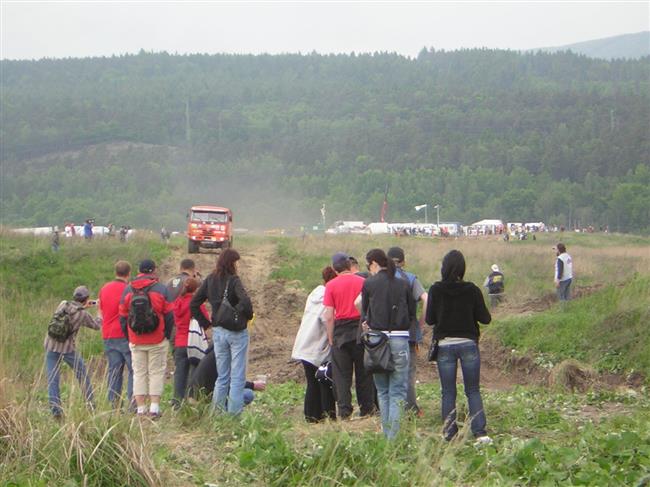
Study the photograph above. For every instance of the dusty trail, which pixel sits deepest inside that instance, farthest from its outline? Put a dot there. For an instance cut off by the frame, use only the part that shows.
(278, 308)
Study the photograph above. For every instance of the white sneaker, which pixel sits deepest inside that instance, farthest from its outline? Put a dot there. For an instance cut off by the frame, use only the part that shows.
(483, 440)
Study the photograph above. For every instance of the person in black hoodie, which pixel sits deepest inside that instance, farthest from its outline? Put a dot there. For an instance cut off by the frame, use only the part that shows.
(454, 309)
(389, 308)
(230, 345)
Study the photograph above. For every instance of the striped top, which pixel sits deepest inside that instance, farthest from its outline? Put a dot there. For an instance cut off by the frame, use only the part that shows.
(79, 317)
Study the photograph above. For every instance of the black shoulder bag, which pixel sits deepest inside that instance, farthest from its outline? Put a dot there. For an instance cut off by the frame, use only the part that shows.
(227, 315)
(377, 357)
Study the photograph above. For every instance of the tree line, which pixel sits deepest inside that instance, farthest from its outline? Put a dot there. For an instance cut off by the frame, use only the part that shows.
(484, 133)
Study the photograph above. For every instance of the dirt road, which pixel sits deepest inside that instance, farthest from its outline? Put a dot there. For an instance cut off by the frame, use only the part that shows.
(278, 309)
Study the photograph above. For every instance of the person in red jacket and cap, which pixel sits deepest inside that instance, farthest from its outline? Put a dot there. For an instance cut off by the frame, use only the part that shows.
(146, 315)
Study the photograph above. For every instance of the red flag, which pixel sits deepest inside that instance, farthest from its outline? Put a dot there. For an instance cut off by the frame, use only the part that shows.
(384, 206)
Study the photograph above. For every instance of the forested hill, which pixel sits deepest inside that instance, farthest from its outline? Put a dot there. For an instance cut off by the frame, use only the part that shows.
(484, 133)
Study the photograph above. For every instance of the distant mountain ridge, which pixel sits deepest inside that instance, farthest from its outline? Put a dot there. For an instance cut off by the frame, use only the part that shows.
(627, 46)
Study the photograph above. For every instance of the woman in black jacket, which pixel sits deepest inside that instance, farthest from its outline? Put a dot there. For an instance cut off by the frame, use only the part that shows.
(389, 308)
(454, 308)
(230, 339)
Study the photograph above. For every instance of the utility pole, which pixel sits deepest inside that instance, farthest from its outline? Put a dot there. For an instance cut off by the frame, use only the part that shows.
(188, 128)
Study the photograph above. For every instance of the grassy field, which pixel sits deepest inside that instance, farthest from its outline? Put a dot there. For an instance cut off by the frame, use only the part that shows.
(543, 436)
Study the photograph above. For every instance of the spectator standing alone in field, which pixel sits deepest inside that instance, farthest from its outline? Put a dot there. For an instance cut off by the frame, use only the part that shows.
(55, 239)
(60, 346)
(311, 347)
(146, 316)
(230, 344)
(415, 332)
(454, 308)
(342, 325)
(88, 230)
(182, 318)
(116, 343)
(563, 273)
(495, 285)
(388, 305)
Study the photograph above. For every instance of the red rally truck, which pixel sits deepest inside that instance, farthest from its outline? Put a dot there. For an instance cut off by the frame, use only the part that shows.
(209, 227)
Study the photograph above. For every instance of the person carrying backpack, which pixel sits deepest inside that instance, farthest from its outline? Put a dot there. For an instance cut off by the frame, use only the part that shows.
(415, 332)
(60, 346)
(146, 316)
(495, 285)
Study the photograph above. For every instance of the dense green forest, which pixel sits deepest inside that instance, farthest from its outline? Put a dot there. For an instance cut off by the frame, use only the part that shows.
(484, 133)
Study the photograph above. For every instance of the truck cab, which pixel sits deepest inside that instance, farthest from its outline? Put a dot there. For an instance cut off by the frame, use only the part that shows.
(209, 227)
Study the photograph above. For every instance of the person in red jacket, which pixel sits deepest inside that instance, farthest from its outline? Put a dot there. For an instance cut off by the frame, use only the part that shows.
(148, 348)
(116, 344)
(182, 318)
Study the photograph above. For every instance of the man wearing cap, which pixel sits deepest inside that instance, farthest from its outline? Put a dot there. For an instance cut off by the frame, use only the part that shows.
(148, 350)
(116, 344)
(57, 352)
(415, 332)
(563, 273)
(495, 284)
(342, 323)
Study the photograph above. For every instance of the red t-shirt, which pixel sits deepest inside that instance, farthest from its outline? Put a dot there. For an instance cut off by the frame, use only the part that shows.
(182, 317)
(340, 294)
(109, 304)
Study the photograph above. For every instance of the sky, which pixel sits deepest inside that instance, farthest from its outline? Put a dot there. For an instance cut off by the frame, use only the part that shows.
(34, 30)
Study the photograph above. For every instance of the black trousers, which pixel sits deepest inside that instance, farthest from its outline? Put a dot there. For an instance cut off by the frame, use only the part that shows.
(319, 397)
(181, 374)
(345, 359)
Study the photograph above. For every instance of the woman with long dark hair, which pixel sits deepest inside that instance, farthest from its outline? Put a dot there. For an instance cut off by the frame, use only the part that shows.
(454, 309)
(230, 341)
(389, 308)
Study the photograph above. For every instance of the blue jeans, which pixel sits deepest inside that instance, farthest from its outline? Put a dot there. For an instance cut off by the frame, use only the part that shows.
(53, 364)
(470, 362)
(564, 290)
(118, 355)
(391, 387)
(230, 352)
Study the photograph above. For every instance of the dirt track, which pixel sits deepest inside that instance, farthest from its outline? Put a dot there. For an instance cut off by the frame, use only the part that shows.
(278, 309)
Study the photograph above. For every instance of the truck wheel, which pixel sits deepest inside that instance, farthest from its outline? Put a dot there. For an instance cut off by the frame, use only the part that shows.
(192, 247)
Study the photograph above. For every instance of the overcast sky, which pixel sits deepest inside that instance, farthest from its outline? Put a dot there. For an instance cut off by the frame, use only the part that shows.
(33, 30)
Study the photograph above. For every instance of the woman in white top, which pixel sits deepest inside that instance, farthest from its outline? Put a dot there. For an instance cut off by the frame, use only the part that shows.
(312, 349)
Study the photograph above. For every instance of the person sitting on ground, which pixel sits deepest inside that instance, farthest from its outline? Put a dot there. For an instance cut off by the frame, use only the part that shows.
(61, 347)
(495, 285)
(312, 349)
(182, 318)
(455, 308)
(204, 377)
(146, 315)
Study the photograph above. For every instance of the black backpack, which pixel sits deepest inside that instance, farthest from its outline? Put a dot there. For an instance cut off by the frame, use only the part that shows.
(60, 327)
(142, 317)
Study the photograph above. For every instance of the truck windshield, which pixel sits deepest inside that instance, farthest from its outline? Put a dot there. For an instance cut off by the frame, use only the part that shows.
(209, 217)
